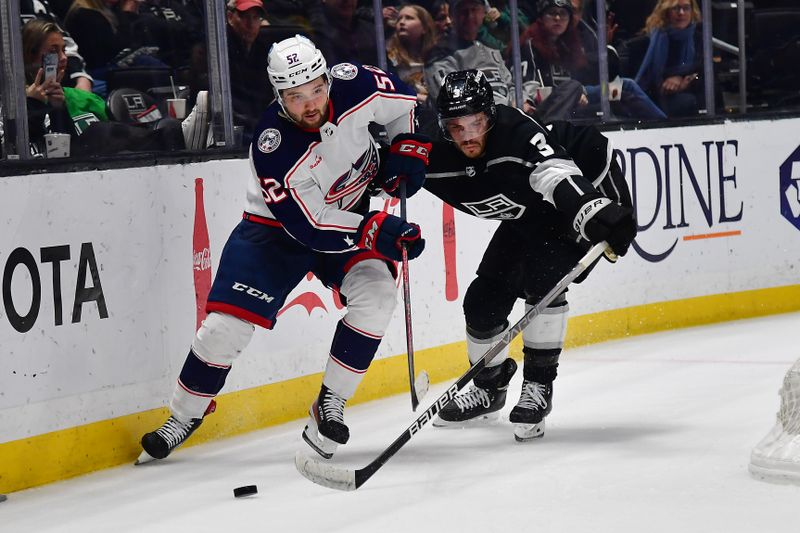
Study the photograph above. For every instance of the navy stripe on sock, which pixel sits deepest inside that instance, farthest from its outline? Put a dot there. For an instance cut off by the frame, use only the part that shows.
(352, 348)
(201, 377)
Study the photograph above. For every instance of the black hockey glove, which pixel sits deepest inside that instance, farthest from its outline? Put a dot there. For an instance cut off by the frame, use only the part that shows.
(386, 234)
(600, 219)
(407, 159)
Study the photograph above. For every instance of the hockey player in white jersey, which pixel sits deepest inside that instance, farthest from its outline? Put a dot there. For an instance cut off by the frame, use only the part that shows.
(314, 166)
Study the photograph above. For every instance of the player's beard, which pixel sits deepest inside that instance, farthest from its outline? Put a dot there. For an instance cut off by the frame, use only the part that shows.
(313, 119)
(473, 148)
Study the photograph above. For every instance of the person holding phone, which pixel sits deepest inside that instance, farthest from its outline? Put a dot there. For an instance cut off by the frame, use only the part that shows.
(53, 108)
(46, 87)
(76, 75)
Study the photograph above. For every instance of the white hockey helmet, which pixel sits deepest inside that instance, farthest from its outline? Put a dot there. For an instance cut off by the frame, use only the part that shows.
(294, 61)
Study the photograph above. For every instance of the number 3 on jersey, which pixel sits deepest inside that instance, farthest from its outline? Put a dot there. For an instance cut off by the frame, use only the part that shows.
(271, 190)
(540, 143)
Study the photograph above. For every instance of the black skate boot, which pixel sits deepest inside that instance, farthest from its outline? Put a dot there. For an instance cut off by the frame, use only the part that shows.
(326, 429)
(159, 444)
(535, 403)
(482, 401)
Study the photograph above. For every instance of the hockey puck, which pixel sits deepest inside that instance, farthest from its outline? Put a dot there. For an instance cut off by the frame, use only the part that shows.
(247, 490)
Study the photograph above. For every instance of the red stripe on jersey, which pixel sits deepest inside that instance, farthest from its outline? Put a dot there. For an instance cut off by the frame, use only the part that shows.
(261, 220)
(238, 312)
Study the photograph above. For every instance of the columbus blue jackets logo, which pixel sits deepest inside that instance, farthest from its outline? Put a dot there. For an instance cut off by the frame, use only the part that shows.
(269, 140)
(344, 71)
(360, 174)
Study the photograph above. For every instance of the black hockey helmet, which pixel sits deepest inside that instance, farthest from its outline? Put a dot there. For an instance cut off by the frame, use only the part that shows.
(465, 92)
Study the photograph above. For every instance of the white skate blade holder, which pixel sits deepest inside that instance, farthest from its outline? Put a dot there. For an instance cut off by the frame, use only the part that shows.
(323, 446)
(526, 432)
(144, 457)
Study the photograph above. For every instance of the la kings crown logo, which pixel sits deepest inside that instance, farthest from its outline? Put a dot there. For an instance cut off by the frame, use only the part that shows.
(497, 207)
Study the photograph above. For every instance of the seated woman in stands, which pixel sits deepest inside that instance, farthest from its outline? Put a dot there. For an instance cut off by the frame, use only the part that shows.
(552, 55)
(414, 37)
(670, 71)
(53, 108)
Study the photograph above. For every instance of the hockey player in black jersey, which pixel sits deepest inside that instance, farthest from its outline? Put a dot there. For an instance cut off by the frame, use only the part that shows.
(500, 164)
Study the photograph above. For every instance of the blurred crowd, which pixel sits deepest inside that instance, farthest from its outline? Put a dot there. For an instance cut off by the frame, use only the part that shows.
(119, 63)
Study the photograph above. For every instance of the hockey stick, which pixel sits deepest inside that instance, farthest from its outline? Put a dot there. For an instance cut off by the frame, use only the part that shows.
(339, 478)
(418, 384)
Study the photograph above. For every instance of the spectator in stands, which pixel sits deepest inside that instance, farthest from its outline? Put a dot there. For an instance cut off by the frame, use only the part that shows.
(441, 17)
(496, 29)
(251, 90)
(76, 75)
(53, 108)
(554, 56)
(342, 35)
(673, 62)
(414, 37)
(464, 52)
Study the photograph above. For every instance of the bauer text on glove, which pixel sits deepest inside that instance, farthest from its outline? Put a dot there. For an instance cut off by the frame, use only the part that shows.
(600, 219)
(407, 159)
(387, 234)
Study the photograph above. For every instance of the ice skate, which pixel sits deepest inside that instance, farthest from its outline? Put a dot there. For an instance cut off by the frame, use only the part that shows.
(535, 403)
(325, 429)
(482, 401)
(159, 444)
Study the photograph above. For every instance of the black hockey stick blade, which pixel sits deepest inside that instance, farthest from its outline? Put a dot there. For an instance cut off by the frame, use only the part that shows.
(339, 478)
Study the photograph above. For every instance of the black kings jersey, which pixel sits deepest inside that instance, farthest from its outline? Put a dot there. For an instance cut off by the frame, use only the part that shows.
(524, 177)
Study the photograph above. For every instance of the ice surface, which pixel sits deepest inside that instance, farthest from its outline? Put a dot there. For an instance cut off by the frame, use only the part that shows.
(649, 434)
